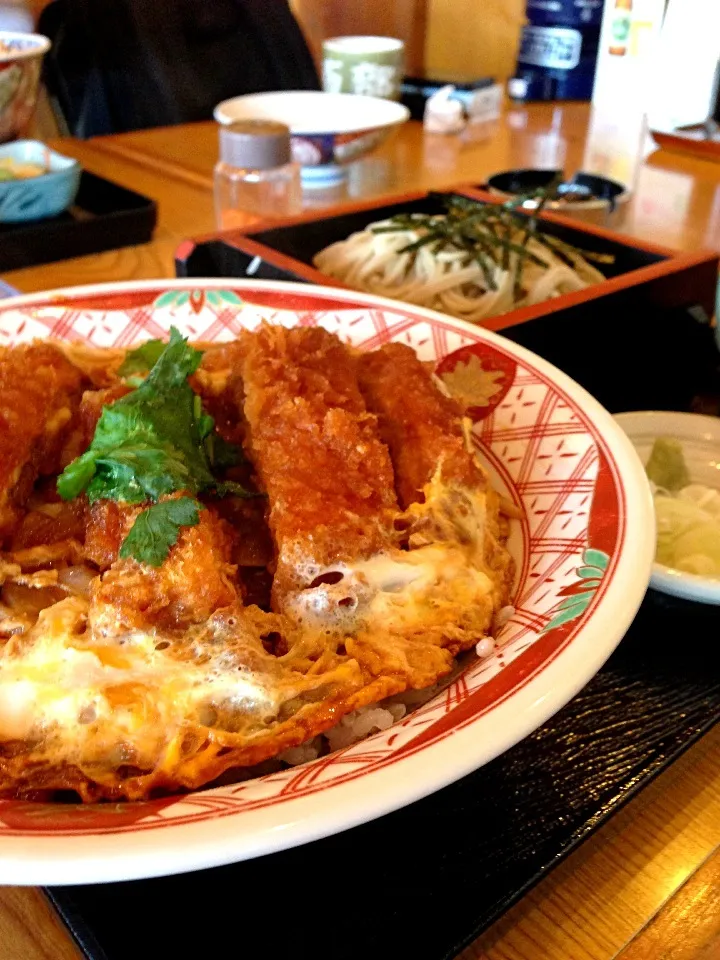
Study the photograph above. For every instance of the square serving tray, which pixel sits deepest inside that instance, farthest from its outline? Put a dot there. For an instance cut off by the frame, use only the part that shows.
(104, 216)
(641, 271)
(634, 341)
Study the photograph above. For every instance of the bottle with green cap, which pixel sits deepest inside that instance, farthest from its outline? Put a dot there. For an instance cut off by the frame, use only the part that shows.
(255, 177)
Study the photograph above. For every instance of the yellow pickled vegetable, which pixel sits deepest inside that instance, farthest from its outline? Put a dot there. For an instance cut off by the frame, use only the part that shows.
(688, 518)
(11, 169)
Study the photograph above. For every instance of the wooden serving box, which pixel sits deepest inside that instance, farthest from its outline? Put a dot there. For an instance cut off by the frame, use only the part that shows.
(650, 320)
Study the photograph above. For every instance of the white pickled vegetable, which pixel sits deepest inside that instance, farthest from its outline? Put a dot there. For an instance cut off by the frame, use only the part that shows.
(687, 514)
(688, 528)
(704, 497)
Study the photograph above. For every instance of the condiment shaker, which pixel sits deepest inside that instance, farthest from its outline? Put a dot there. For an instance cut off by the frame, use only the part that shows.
(255, 177)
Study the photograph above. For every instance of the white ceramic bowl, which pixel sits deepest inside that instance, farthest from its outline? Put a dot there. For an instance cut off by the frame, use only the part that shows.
(580, 544)
(700, 439)
(20, 60)
(328, 129)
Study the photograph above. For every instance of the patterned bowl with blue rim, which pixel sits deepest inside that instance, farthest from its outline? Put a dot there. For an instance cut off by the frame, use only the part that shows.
(327, 130)
(43, 196)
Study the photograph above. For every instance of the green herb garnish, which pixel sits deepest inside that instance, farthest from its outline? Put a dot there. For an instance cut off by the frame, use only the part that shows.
(155, 441)
(156, 529)
(142, 358)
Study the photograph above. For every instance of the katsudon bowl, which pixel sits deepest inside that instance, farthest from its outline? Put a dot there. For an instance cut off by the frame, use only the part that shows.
(581, 512)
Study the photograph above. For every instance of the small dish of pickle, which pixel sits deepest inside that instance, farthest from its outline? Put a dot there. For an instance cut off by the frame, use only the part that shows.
(36, 183)
(681, 455)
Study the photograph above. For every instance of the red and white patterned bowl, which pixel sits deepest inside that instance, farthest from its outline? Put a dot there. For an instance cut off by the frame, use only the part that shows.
(584, 550)
(21, 57)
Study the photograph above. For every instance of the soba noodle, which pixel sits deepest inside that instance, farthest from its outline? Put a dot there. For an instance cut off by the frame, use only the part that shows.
(450, 280)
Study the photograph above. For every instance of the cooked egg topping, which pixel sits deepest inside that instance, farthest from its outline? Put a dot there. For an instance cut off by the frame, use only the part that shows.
(131, 692)
(407, 589)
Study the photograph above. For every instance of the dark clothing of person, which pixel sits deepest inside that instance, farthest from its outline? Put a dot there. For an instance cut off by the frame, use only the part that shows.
(119, 65)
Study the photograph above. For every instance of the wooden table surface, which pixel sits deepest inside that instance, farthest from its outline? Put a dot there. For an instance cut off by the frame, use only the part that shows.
(645, 886)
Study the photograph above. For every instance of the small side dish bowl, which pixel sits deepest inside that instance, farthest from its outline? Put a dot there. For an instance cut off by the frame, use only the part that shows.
(584, 196)
(20, 60)
(699, 437)
(327, 129)
(37, 197)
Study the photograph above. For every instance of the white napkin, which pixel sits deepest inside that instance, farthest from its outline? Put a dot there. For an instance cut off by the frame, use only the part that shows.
(442, 113)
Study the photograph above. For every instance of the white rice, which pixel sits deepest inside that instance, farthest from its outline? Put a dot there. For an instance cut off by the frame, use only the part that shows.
(485, 647)
(375, 717)
(358, 725)
(503, 615)
(302, 754)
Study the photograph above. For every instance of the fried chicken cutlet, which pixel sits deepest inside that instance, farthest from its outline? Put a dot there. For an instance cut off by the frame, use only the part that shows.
(158, 676)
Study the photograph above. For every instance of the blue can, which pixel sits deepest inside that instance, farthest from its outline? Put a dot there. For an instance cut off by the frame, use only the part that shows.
(558, 50)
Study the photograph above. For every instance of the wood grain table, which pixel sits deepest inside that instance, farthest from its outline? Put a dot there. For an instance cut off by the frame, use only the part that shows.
(647, 885)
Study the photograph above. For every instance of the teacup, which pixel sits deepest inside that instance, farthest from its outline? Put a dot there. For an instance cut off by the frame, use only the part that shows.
(372, 66)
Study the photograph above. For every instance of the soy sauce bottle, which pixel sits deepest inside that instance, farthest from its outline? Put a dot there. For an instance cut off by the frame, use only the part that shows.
(558, 50)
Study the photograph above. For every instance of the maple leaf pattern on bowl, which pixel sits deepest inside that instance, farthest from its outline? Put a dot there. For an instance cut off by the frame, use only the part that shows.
(471, 384)
(478, 376)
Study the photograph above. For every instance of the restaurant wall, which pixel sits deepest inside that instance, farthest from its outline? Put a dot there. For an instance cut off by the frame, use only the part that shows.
(405, 19)
(477, 37)
(473, 37)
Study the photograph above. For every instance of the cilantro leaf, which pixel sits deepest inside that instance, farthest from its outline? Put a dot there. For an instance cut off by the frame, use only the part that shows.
(135, 472)
(176, 362)
(156, 530)
(142, 358)
(150, 442)
(76, 476)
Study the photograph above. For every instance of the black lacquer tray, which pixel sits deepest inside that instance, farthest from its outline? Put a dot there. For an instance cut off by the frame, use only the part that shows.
(105, 216)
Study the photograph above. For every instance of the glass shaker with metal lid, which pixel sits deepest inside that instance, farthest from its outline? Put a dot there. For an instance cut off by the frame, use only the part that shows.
(255, 177)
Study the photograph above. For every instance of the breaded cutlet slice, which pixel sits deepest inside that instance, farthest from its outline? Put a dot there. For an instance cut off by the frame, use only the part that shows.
(317, 454)
(437, 473)
(40, 392)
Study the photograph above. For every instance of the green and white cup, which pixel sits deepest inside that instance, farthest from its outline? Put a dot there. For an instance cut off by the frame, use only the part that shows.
(373, 66)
